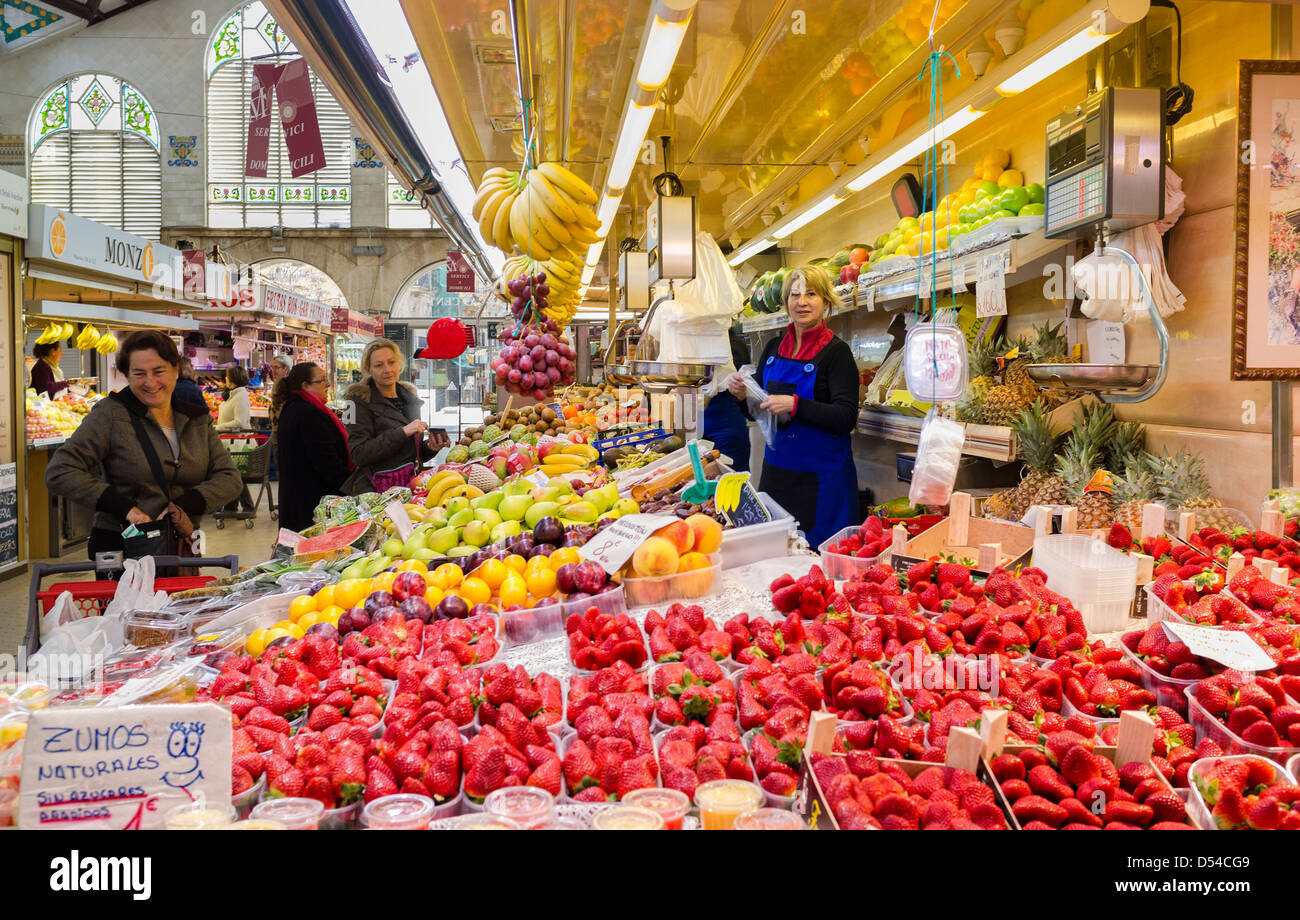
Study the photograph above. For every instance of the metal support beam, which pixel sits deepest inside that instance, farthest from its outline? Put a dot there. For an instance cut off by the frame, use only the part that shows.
(524, 74)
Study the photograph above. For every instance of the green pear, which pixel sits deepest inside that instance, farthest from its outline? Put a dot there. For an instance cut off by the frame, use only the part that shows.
(514, 507)
(453, 505)
(377, 565)
(545, 494)
(476, 534)
(582, 511)
(436, 516)
(517, 487)
(355, 570)
(488, 516)
(440, 541)
(415, 541)
(559, 482)
(461, 517)
(627, 506)
(540, 510)
(457, 551)
(489, 500)
(392, 547)
(610, 492)
(425, 554)
(506, 529)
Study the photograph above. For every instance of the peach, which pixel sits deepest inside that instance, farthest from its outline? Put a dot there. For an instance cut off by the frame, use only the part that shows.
(679, 534)
(697, 584)
(707, 533)
(645, 592)
(656, 556)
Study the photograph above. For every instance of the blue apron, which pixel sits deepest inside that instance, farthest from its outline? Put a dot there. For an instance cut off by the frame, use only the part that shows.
(725, 425)
(825, 458)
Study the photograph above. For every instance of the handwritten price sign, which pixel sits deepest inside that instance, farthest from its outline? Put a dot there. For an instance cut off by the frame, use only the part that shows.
(1228, 647)
(397, 513)
(614, 546)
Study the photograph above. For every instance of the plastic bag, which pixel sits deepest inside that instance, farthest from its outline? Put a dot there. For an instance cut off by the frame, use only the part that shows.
(713, 292)
(754, 398)
(938, 454)
(80, 645)
(135, 590)
(63, 612)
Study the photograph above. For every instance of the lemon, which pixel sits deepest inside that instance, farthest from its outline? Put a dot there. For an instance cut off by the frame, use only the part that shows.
(256, 643)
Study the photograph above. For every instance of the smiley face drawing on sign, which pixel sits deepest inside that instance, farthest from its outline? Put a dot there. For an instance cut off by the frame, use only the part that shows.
(183, 746)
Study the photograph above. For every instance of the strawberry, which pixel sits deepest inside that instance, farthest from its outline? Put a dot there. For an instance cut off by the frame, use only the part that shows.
(1034, 808)
(1119, 537)
(547, 776)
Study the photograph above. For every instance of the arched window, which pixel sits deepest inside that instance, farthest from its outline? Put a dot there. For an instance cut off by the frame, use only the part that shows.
(303, 279)
(425, 296)
(319, 199)
(93, 143)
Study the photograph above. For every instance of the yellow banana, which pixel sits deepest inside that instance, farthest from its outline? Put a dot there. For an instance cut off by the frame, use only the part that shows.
(524, 232)
(586, 216)
(497, 172)
(466, 490)
(487, 217)
(440, 487)
(501, 232)
(557, 202)
(567, 182)
(553, 225)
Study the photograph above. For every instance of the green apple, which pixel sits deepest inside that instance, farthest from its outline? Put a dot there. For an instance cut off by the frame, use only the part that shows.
(1000, 213)
(506, 529)
(458, 503)
(582, 511)
(514, 507)
(488, 516)
(461, 517)
(1013, 198)
(489, 500)
(477, 534)
(907, 223)
(1033, 209)
(442, 540)
(627, 506)
(392, 547)
(540, 510)
(1037, 195)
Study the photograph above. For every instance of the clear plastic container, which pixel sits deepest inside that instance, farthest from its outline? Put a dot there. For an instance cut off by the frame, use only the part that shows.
(745, 545)
(666, 589)
(1292, 765)
(1158, 610)
(524, 627)
(612, 601)
(1069, 709)
(722, 801)
(482, 821)
(399, 812)
(256, 824)
(840, 566)
(154, 628)
(627, 818)
(1197, 808)
(669, 804)
(1099, 579)
(1207, 726)
(199, 816)
(1169, 691)
(294, 814)
(527, 806)
(770, 819)
(245, 800)
(342, 818)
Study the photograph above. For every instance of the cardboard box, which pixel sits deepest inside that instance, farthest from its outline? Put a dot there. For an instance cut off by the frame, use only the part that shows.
(986, 543)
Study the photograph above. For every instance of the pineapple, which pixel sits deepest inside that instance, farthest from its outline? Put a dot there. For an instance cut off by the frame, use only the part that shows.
(998, 505)
(1125, 448)
(984, 364)
(1036, 445)
(1083, 454)
(1003, 404)
(1184, 485)
(1134, 488)
(970, 408)
(1015, 375)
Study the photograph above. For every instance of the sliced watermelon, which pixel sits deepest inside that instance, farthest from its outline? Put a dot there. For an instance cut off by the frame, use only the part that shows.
(338, 540)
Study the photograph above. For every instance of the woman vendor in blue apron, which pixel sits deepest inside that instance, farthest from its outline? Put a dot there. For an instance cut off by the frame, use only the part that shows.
(812, 384)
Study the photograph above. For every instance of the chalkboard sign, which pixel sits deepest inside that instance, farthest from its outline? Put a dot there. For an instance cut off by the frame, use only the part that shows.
(738, 502)
(398, 332)
(8, 514)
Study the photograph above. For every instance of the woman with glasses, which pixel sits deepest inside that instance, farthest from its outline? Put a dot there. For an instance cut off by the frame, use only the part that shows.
(311, 444)
(108, 462)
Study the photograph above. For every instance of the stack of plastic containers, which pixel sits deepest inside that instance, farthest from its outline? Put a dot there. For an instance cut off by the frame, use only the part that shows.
(1099, 579)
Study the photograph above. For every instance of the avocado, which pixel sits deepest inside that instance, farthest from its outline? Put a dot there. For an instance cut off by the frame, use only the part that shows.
(670, 444)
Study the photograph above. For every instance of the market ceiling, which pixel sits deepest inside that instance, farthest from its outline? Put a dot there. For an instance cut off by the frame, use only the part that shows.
(766, 95)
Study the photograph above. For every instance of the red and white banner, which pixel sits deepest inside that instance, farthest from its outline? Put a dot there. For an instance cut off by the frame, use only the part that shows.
(258, 149)
(291, 82)
(344, 321)
(460, 274)
(194, 273)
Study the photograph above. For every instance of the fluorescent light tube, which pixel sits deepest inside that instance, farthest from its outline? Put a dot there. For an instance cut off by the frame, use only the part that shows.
(1068, 51)
(659, 52)
(636, 121)
(808, 216)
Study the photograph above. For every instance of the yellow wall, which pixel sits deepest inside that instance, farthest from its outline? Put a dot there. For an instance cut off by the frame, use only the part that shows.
(1199, 405)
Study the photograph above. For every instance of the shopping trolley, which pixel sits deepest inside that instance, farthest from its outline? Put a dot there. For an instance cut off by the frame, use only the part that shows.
(91, 597)
(251, 451)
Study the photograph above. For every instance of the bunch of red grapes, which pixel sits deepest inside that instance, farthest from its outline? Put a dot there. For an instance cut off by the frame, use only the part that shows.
(537, 357)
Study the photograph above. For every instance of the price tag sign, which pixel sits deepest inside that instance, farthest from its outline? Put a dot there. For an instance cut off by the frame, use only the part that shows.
(396, 512)
(868, 297)
(614, 545)
(1231, 648)
(1105, 342)
(124, 767)
(538, 477)
(738, 502)
(991, 286)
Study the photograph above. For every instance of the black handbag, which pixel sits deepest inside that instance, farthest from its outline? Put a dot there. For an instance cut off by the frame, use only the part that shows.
(156, 538)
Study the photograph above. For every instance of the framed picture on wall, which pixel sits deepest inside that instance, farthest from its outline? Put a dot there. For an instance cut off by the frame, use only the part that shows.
(1266, 299)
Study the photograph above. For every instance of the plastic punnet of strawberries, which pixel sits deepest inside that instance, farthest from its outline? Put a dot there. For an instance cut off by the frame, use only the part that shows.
(684, 628)
(694, 753)
(597, 640)
(1253, 708)
(690, 690)
(809, 596)
(1248, 793)
(465, 642)
(607, 760)
(863, 793)
(613, 689)
(1269, 600)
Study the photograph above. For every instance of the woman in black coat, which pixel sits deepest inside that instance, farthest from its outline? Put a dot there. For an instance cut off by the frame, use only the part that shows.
(311, 444)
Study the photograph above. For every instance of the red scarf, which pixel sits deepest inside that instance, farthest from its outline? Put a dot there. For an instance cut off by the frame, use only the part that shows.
(814, 340)
(320, 404)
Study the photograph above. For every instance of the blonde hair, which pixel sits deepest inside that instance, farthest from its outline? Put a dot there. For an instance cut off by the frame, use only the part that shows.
(818, 281)
(379, 345)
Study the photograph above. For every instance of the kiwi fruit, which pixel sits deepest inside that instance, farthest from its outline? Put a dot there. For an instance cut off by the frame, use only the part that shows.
(548, 414)
(541, 427)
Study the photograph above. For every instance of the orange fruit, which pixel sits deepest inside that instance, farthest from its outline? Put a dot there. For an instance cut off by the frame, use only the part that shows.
(513, 591)
(517, 562)
(330, 615)
(413, 565)
(324, 597)
(382, 582)
(448, 575)
(541, 583)
(299, 607)
(351, 591)
(493, 572)
(563, 556)
(308, 620)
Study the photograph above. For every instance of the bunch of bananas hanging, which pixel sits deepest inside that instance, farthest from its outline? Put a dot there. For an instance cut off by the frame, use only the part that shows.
(545, 212)
(89, 337)
(563, 278)
(107, 344)
(56, 332)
